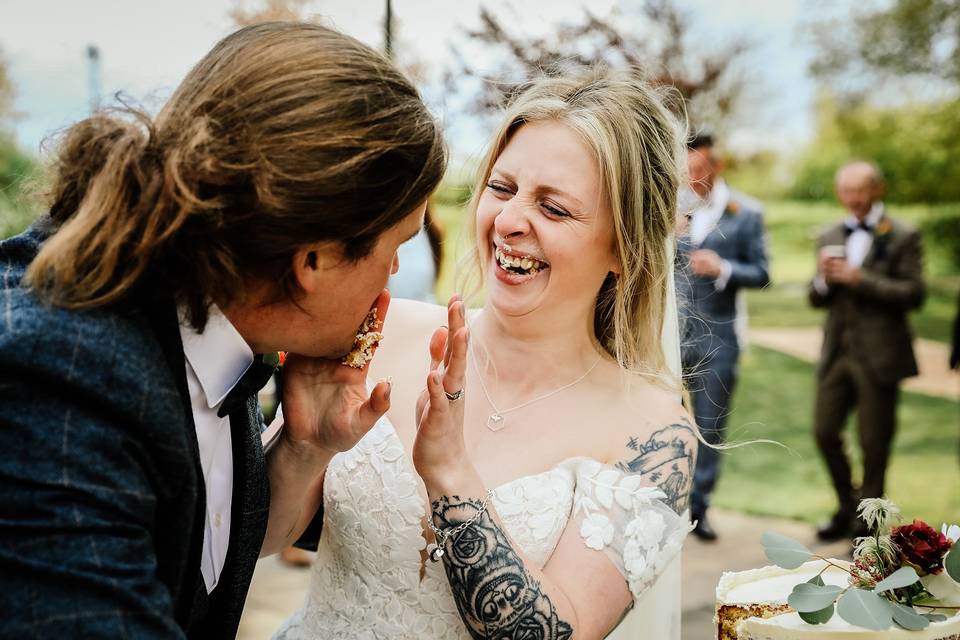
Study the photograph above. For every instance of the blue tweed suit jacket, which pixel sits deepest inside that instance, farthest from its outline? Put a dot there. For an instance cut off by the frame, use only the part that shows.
(102, 499)
(708, 316)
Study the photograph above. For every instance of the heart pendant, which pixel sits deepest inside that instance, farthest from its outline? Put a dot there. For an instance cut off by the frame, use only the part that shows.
(495, 422)
(435, 553)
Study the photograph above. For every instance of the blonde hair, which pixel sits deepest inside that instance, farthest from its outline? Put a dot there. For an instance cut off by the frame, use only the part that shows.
(639, 144)
(285, 134)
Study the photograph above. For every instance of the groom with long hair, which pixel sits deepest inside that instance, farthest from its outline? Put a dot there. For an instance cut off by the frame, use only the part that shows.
(259, 212)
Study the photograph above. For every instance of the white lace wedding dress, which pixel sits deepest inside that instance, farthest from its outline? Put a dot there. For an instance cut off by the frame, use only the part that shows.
(366, 578)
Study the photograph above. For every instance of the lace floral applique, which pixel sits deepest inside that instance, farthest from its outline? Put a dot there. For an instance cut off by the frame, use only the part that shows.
(630, 523)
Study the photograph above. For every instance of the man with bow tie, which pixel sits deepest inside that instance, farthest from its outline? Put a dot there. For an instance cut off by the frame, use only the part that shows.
(869, 275)
(721, 250)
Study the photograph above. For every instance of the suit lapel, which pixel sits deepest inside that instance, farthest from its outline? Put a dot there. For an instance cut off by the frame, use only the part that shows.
(161, 313)
(876, 251)
(721, 231)
(249, 514)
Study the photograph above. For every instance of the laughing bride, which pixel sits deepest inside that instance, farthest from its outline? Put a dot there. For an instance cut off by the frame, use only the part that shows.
(537, 488)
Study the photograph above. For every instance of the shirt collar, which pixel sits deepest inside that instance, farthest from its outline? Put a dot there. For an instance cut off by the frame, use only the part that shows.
(871, 220)
(218, 356)
(719, 195)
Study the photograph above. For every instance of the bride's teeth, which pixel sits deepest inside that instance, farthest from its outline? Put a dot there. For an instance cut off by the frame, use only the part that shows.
(525, 263)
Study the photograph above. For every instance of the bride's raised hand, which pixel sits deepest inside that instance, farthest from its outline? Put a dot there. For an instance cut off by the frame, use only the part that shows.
(326, 403)
(439, 452)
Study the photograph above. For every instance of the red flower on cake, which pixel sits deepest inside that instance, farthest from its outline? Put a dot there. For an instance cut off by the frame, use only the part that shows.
(922, 546)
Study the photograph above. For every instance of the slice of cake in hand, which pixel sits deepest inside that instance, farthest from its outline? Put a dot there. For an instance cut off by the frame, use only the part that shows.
(365, 344)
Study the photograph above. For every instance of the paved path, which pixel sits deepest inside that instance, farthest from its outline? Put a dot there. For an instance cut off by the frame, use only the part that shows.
(935, 378)
(278, 590)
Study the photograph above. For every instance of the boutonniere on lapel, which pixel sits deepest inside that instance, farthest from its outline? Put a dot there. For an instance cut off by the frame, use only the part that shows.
(881, 236)
(732, 208)
(276, 359)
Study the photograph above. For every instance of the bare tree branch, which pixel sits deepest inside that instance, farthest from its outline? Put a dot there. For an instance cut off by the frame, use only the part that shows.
(656, 48)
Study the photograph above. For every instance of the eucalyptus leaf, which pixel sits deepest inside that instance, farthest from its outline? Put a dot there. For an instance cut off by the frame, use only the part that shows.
(952, 563)
(817, 617)
(934, 617)
(907, 617)
(865, 609)
(784, 552)
(902, 577)
(809, 598)
(817, 580)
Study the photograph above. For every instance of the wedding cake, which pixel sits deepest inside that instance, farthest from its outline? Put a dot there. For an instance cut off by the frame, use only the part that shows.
(752, 605)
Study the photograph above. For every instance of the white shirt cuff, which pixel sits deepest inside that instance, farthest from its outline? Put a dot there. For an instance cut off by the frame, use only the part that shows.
(726, 270)
(820, 285)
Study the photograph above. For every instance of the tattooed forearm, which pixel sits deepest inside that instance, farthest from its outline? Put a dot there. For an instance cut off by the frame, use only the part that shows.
(666, 460)
(495, 594)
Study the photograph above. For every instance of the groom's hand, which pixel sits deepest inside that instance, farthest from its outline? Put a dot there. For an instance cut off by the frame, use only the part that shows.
(326, 404)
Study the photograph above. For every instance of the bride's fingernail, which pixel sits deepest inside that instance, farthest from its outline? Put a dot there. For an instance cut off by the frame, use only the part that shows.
(389, 389)
(436, 377)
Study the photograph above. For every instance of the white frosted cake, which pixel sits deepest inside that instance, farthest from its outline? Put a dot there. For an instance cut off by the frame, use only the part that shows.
(752, 605)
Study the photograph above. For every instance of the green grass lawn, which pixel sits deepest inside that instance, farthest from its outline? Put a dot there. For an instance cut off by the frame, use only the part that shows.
(774, 400)
(792, 230)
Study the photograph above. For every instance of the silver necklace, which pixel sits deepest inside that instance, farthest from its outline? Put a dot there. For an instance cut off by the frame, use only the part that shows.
(496, 421)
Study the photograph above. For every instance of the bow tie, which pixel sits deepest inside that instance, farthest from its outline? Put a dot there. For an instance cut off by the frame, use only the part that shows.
(252, 380)
(847, 229)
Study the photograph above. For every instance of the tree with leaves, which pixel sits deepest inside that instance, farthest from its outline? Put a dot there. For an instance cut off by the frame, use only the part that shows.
(899, 39)
(655, 42)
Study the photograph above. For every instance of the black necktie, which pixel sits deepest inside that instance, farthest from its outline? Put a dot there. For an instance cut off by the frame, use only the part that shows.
(847, 229)
(252, 380)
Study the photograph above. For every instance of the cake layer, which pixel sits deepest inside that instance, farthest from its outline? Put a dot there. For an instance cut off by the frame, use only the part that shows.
(751, 605)
(772, 585)
(789, 626)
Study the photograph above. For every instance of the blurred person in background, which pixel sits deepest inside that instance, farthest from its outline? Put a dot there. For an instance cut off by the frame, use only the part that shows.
(721, 250)
(869, 275)
(421, 258)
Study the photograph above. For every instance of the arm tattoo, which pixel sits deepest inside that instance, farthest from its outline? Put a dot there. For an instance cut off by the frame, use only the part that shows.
(495, 594)
(666, 460)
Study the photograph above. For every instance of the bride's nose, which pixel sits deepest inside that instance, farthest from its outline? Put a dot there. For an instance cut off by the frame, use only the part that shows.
(512, 220)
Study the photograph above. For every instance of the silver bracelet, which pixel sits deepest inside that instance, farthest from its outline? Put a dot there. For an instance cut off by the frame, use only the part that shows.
(435, 549)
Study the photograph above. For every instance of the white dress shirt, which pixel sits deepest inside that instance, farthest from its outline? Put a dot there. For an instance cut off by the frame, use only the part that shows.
(215, 361)
(705, 219)
(858, 242)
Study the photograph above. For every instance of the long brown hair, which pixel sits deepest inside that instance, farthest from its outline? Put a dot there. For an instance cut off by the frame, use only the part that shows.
(284, 134)
(639, 146)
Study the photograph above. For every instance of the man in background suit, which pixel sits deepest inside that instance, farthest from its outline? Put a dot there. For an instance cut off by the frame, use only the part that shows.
(869, 275)
(721, 251)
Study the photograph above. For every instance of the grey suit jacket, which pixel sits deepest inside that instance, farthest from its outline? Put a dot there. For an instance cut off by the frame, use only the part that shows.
(869, 319)
(101, 489)
(707, 316)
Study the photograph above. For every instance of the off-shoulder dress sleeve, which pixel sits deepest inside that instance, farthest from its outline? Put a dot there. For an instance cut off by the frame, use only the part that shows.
(627, 521)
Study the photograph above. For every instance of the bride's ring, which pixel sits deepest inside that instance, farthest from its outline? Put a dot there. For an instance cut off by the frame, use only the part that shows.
(456, 395)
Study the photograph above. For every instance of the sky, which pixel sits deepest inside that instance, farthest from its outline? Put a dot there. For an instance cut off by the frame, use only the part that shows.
(147, 47)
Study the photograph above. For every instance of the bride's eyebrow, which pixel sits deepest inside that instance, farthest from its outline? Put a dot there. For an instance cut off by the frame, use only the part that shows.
(544, 189)
(565, 195)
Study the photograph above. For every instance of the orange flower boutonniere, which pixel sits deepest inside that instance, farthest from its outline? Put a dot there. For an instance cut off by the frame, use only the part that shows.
(275, 359)
(881, 237)
(732, 208)
(883, 227)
